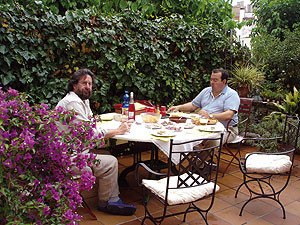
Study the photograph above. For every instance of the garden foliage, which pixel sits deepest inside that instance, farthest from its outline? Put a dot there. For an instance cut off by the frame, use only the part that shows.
(36, 160)
(275, 42)
(165, 60)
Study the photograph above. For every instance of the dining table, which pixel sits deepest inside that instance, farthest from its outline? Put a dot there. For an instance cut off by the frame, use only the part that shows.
(159, 134)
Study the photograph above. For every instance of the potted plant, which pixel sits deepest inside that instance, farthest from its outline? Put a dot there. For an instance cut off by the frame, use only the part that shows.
(245, 78)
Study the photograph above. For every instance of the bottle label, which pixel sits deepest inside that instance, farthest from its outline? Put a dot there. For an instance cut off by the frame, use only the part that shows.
(125, 111)
(130, 115)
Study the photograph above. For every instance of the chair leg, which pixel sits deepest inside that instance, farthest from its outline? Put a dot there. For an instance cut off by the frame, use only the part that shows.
(87, 208)
(234, 157)
(249, 200)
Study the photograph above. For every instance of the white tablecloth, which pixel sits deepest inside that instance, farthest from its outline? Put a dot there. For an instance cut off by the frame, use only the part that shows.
(139, 133)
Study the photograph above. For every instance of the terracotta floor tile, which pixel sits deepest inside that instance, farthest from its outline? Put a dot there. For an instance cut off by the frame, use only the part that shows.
(167, 221)
(230, 180)
(296, 171)
(211, 219)
(90, 222)
(259, 221)
(231, 215)
(257, 207)
(295, 181)
(228, 196)
(109, 219)
(223, 187)
(131, 222)
(219, 205)
(293, 208)
(238, 174)
(153, 207)
(276, 218)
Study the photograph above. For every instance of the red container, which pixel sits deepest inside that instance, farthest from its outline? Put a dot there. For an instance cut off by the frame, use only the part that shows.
(163, 111)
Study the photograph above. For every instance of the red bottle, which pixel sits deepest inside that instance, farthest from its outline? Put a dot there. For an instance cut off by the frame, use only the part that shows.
(131, 110)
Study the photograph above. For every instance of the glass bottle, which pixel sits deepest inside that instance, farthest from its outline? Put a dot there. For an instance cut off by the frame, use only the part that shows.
(131, 110)
(125, 105)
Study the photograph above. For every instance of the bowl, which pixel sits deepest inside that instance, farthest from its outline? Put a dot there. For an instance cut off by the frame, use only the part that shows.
(178, 119)
(150, 117)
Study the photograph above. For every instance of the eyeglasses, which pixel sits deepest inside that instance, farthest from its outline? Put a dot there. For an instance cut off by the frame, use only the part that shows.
(84, 83)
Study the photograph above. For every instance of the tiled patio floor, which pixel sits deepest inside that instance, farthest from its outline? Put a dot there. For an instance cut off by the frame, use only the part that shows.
(225, 210)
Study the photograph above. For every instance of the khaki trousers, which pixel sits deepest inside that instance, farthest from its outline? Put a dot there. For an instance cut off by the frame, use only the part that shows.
(107, 175)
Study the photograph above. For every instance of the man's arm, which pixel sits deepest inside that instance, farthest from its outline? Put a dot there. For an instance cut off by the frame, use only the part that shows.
(227, 115)
(187, 107)
(122, 129)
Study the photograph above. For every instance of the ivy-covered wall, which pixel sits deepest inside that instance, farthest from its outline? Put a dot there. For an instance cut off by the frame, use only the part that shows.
(165, 60)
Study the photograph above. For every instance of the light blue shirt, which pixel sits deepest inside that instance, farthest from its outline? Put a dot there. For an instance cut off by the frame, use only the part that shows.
(228, 99)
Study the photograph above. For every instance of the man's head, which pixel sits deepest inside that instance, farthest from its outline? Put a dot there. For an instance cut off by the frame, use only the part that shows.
(82, 82)
(218, 80)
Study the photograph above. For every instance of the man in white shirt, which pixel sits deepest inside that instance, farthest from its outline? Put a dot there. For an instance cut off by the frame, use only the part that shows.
(77, 100)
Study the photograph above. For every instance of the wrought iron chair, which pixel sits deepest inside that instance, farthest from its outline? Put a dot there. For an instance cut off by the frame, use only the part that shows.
(194, 181)
(258, 168)
(244, 114)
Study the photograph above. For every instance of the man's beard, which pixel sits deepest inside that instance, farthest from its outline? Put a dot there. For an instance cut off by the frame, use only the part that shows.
(82, 95)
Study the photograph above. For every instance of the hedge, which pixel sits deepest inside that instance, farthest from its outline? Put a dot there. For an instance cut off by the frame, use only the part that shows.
(163, 60)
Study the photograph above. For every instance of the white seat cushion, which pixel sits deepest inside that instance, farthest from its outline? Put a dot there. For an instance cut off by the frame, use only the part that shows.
(236, 139)
(177, 196)
(261, 163)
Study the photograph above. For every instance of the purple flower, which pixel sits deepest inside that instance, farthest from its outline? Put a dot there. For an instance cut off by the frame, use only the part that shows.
(27, 156)
(12, 92)
(8, 163)
(55, 195)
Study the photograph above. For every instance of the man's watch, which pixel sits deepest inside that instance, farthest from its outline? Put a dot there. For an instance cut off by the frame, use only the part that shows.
(210, 116)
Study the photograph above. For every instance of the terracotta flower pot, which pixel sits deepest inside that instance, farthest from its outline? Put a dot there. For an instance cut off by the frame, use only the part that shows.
(243, 91)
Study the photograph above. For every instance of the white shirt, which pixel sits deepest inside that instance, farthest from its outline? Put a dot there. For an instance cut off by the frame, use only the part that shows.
(71, 102)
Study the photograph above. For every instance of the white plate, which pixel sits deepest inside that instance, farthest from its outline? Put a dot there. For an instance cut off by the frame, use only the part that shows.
(165, 133)
(210, 128)
(153, 125)
(107, 116)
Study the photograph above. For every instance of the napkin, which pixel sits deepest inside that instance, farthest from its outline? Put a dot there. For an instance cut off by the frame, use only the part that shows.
(197, 132)
(107, 116)
(165, 139)
(139, 106)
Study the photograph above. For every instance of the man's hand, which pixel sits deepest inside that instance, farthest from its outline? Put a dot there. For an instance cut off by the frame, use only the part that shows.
(187, 107)
(124, 127)
(203, 113)
(174, 109)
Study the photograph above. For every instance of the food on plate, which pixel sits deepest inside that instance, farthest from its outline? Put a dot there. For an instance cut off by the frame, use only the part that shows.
(196, 120)
(162, 132)
(153, 125)
(189, 126)
(173, 128)
(120, 117)
(200, 121)
(212, 122)
(167, 123)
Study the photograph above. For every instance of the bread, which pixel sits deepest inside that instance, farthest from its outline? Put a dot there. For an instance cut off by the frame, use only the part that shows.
(212, 122)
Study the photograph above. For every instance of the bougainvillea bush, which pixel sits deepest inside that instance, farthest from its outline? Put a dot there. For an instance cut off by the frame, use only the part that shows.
(36, 161)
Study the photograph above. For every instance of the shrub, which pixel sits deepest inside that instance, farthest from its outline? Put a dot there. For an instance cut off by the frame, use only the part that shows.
(36, 162)
(158, 59)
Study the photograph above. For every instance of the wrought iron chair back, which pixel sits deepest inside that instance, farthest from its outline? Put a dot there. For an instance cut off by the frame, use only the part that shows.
(244, 112)
(195, 169)
(262, 175)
